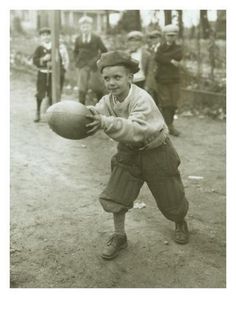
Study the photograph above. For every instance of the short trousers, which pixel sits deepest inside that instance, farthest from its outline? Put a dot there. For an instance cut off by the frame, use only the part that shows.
(157, 167)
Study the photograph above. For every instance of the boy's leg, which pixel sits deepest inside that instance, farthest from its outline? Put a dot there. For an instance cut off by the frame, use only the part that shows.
(174, 95)
(168, 94)
(118, 240)
(164, 181)
(83, 78)
(38, 108)
(118, 197)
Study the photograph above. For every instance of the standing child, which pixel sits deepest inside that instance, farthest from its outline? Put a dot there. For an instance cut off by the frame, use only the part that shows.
(42, 60)
(153, 41)
(168, 57)
(129, 115)
(138, 52)
(87, 49)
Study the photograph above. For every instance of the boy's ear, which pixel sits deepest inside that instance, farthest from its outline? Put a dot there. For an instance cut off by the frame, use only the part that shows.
(131, 76)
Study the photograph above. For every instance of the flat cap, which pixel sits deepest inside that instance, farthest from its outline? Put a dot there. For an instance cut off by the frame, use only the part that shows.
(154, 34)
(118, 57)
(44, 30)
(85, 19)
(135, 35)
(171, 29)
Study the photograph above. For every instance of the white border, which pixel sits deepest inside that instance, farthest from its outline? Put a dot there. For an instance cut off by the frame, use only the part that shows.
(192, 301)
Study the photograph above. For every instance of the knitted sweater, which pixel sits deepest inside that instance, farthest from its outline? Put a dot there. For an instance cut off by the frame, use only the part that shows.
(136, 121)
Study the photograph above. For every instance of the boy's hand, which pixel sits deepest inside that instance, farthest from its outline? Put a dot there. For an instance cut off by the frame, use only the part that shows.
(175, 63)
(96, 123)
(47, 57)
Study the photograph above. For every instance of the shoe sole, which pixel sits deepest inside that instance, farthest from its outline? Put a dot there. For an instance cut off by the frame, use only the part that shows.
(181, 242)
(109, 257)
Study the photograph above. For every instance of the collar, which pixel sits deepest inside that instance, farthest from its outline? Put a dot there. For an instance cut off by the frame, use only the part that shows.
(117, 102)
(48, 46)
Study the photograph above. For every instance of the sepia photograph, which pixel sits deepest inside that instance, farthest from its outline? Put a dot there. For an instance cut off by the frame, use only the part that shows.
(117, 148)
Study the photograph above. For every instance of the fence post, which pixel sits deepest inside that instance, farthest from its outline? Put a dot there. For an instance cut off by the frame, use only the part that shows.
(55, 26)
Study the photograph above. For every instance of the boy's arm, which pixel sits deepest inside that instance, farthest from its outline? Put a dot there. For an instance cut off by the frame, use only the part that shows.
(166, 57)
(76, 49)
(40, 60)
(37, 57)
(101, 45)
(142, 123)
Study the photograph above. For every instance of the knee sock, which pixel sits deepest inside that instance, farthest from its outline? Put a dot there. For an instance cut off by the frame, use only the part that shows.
(119, 223)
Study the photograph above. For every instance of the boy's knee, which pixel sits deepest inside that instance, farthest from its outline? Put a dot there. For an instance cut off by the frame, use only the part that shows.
(112, 207)
(178, 212)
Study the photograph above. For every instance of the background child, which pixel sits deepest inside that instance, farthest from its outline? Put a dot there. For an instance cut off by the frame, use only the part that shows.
(153, 41)
(42, 60)
(145, 154)
(138, 52)
(168, 57)
(87, 50)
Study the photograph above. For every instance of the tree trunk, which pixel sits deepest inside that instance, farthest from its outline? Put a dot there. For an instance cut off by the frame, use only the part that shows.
(108, 26)
(205, 25)
(180, 22)
(168, 17)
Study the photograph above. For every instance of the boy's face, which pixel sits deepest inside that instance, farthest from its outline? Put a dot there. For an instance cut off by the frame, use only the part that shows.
(170, 38)
(117, 80)
(85, 28)
(153, 41)
(134, 44)
(45, 37)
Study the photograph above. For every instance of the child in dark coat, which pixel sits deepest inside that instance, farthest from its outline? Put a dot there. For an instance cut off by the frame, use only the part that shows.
(42, 60)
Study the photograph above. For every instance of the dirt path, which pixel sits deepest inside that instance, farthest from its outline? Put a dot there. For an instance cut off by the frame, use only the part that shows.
(58, 227)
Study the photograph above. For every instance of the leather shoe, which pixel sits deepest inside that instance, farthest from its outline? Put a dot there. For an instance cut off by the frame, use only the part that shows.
(113, 246)
(181, 233)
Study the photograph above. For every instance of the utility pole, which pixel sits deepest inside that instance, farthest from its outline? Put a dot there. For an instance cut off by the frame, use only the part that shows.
(55, 27)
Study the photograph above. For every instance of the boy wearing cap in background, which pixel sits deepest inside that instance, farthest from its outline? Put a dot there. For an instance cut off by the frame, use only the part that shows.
(42, 60)
(87, 50)
(129, 116)
(138, 52)
(168, 57)
(153, 42)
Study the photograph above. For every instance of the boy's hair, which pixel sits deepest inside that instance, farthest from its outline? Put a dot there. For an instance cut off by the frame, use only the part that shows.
(44, 30)
(118, 57)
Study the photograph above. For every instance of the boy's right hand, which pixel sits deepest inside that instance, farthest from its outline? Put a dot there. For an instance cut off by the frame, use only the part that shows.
(47, 57)
(96, 123)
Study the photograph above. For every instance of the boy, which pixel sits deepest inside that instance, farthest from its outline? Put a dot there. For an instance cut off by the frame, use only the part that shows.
(42, 60)
(153, 41)
(87, 49)
(139, 53)
(145, 154)
(168, 57)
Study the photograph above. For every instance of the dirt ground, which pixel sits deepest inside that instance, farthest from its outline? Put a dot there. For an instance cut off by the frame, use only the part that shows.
(58, 227)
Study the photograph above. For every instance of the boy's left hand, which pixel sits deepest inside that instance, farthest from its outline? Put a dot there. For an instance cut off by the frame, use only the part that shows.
(96, 123)
(175, 63)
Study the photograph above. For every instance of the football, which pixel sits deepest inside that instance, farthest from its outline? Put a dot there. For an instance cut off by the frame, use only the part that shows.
(68, 119)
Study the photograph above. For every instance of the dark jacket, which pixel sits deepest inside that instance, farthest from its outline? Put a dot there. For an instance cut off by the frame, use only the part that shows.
(166, 71)
(87, 54)
(39, 53)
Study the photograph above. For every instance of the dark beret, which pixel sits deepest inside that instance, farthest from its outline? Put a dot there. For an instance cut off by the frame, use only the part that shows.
(44, 30)
(118, 57)
(154, 34)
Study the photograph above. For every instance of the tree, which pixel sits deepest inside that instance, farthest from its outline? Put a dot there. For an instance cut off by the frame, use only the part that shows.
(205, 25)
(168, 16)
(130, 20)
(108, 26)
(180, 22)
